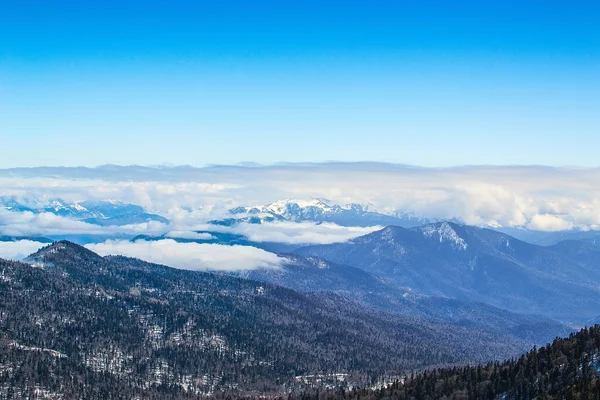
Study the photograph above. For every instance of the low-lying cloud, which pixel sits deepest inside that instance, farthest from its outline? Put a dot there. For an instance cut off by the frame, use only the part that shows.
(191, 256)
(549, 223)
(185, 226)
(537, 197)
(301, 233)
(28, 223)
(189, 235)
(19, 249)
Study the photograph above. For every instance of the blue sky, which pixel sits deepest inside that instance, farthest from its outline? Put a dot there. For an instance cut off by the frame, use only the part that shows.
(419, 82)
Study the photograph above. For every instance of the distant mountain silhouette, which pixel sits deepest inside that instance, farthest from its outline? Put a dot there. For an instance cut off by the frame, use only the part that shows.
(476, 264)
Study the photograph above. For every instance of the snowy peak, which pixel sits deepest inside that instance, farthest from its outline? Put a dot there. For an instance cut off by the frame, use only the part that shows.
(318, 210)
(298, 210)
(246, 210)
(293, 210)
(52, 205)
(444, 232)
(281, 206)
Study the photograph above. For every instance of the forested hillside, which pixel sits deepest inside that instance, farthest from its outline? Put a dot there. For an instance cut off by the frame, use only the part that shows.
(77, 325)
(566, 369)
(469, 263)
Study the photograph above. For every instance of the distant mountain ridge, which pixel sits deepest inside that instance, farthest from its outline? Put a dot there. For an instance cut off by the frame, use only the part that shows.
(476, 264)
(315, 275)
(317, 210)
(103, 213)
(320, 210)
(40, 239)
(549, 238)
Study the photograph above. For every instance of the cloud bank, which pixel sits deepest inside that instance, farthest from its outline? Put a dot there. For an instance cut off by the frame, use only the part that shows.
(191, 256)
(19, 249)
(301, 233)
(47, 224)
(189, 235)
(534, 197)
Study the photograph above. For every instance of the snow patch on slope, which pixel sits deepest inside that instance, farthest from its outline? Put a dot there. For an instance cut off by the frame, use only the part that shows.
(445, 234)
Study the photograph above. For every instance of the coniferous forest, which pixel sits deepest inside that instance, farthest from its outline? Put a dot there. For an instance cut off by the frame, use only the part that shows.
(568, 368)
(75, 325)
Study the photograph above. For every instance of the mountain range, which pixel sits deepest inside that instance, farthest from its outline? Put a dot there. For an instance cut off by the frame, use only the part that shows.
(445, 260)
(315, 275)
(383, 304)
(102, 213)
(121, 327)
(475, 264)
(317, 210)
(354, 214)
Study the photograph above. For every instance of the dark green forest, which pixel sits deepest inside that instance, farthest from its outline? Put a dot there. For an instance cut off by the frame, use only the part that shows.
(78, 325)
(74, 325)
(569, 368)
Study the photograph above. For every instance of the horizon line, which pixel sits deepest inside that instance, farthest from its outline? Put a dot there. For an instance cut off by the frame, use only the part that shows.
(256, 165)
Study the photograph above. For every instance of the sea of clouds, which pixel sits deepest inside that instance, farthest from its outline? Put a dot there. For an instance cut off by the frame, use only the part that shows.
(192, 256)
(531, 197)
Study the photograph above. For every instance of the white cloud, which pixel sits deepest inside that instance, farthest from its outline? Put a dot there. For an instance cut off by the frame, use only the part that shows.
(48, 224)
(192, 256)
(19, 249)
(509, 196)
(301, 233)
(28, 223)
(549, 222)
(189, 235)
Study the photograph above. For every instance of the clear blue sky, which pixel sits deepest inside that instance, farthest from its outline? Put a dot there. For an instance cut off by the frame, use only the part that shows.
(432, 83)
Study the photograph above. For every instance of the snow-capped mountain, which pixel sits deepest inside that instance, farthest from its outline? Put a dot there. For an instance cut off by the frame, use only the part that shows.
(102, 213)
(318, 210)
